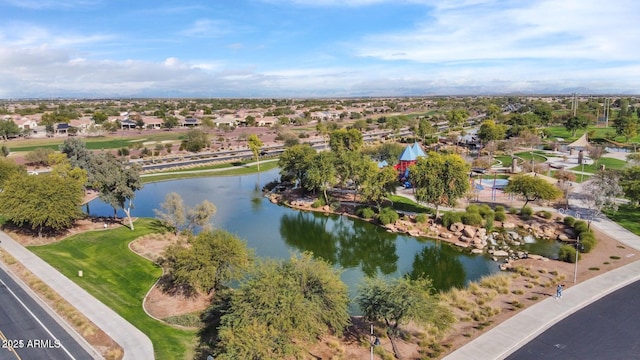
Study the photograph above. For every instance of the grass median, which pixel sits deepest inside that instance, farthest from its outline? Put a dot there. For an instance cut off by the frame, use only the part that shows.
(120, 279)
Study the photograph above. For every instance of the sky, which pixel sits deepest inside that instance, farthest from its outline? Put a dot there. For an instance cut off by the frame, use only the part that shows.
(317, 48)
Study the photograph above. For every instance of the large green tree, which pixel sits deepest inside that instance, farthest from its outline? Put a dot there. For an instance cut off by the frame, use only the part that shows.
(41, 202)
(630, 182)
(116, 181)
(281, 307)
(208, 261)
(321, 174)
(440, 179)
(489, 131)
(376, 184)
(8, 167)
(399, 301)
(345, 140)
(196, 140)
(295, 161)
(532, 188)
(8, 129)
(457, 117)
(575, 123)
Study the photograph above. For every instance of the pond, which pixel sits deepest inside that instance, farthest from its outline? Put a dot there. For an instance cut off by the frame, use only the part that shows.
(360, 248)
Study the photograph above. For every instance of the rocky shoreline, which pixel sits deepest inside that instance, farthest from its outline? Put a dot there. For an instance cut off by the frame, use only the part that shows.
(502, 243)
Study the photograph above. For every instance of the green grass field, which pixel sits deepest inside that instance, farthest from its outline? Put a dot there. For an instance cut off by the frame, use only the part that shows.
(401, 203)
(232, 169)
(528, 155)
(120, 279)
(95, 143)
(627, 216)
(561, 132)
(609, 163)
(505, 159)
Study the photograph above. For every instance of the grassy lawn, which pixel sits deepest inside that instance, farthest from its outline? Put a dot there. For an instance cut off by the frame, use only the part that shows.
(214, 170)
(627, 216)
(401, 203)
(94, 143)
(120, 279)
(528, 155)
(506, 160)
(609, 163)
(561, 132)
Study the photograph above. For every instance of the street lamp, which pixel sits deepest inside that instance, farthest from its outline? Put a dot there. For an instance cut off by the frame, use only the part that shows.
(575, 271)
(373, 342)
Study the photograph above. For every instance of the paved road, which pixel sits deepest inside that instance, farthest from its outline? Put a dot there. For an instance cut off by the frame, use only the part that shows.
(28, 332)
(606, 329)
(135, 343)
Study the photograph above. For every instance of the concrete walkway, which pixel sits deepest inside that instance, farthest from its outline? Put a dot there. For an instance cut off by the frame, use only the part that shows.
(136, 344)
(507, 337)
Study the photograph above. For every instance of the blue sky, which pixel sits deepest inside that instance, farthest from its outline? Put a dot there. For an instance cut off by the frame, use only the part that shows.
(317, 48)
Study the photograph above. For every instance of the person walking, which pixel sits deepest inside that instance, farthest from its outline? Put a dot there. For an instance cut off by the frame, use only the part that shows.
(559, 291)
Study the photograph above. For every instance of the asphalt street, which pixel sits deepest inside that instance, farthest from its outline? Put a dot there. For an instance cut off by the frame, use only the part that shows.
(27, 331)
(606, 329)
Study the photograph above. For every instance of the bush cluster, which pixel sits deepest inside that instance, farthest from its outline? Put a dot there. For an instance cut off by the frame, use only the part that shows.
(421, 218)
(545, 214)
(526, 212)
(388, 216)
(366, 212)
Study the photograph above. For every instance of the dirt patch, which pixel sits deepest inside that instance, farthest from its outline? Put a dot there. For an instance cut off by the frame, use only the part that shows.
(163, 300)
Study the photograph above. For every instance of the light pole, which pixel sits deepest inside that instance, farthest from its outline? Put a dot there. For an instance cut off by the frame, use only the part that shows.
(575, 271)
(373, 342)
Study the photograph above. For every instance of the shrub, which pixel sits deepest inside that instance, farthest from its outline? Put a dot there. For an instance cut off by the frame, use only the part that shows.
(388, 216)
(569, 221)
(451, 217)
(545, 214)
(473, 218)
(567, 253)
(488, 223)
(499, 208)
(499, 216)
(366, 212)
(485, 210)
(123, 151)
(318, 203)
(588, 244)
(472, 208)
(421, 218)
(513, 211)
(526, 212)
(580, 226)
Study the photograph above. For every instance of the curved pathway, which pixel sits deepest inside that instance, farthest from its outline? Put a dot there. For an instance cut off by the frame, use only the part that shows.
(135, 343)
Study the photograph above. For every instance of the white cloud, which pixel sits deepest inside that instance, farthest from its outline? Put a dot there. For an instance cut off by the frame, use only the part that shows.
(207, 28)
(493, 30)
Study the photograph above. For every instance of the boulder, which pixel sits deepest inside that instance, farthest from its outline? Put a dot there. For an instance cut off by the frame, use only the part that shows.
(500, 253)
(446, 235)
(469, 231)
(465, 238)
(508, 225)
(563, 237)
(476, 251)
(455, 227)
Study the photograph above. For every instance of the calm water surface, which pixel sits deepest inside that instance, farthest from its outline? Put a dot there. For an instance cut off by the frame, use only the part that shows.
(358, 247)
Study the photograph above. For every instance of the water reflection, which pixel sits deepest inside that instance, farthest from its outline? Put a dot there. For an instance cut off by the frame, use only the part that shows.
(342, 241)
(440, 264)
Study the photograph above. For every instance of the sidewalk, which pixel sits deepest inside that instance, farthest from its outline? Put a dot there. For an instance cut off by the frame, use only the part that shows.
(136, 344)
(507, 337)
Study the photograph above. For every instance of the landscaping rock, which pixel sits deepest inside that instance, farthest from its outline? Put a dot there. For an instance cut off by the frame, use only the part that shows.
(469, 231)
(508, 225)
(500, 253)
(563, 237)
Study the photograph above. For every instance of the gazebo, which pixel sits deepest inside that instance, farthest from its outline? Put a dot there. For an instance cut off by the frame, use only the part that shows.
(409, 156)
